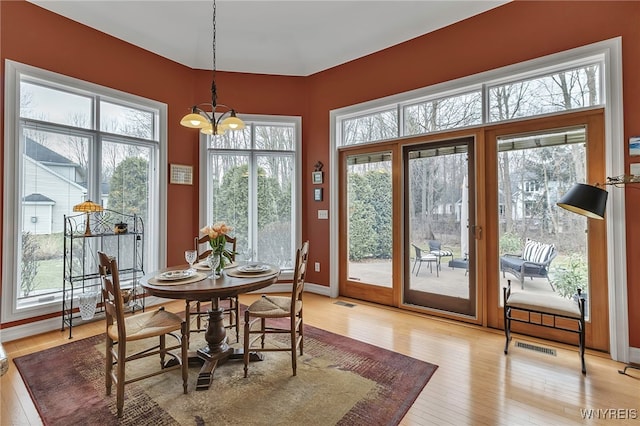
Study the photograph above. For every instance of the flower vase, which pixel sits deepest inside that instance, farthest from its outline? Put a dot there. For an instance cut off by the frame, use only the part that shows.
(220, 266)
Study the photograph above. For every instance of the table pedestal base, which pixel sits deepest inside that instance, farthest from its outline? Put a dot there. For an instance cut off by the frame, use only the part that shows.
(211, 360)
(217, 350)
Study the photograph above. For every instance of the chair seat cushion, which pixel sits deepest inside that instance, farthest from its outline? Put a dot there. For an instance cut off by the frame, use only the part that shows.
(515, 263)
(147, 324)
(429, 258)
(273, 307)
(554, 305)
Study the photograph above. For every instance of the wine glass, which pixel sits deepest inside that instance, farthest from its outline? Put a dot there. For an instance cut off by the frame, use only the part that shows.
(191, 256)
(213, 261)
(248, 254)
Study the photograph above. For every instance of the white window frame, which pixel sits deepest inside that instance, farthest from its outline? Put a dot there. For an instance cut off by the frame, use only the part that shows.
(205, 170)
(156, 229)
(610, 53)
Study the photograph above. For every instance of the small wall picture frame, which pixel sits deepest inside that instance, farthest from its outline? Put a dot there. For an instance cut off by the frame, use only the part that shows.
(634, 145)
(181, 174)
(317, 178)
(317, 194)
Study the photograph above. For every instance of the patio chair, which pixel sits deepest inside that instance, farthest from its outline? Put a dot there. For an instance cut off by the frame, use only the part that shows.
(435, 248)
(534, 262)
(421, 256)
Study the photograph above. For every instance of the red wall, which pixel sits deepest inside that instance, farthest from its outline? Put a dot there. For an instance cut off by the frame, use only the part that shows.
(512, 33)
(515, 32)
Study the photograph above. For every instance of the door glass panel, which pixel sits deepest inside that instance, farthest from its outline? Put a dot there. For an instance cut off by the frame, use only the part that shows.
(534, 171)
(438, 248)
(369, 218)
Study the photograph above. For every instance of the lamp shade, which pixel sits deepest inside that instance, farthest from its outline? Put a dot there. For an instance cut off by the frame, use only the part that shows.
(207, 130)
(232, 122)
(195, 121)
(87, 206)
(586, 200)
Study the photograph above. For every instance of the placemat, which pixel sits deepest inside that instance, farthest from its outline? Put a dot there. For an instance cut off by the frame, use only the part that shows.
(199, 276)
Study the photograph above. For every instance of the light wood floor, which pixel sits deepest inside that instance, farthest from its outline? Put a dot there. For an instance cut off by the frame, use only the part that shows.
(475, 383)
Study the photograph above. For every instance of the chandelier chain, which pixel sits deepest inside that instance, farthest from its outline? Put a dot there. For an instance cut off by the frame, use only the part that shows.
(214, 91)
(214, 122)
(213, 44)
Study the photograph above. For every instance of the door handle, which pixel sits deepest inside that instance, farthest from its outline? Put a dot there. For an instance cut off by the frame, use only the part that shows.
(477, 232)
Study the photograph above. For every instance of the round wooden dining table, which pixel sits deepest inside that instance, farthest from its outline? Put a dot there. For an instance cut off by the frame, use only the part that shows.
(203, 287)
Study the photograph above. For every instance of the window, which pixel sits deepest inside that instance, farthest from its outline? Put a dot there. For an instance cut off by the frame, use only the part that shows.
(252, 179)
(370, 127)
(563, 86)
(563, 90)
(70, 141)
(531, 186)
(443, 113)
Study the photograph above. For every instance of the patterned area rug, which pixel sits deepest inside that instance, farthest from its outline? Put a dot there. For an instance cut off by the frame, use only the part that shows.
(340, 381)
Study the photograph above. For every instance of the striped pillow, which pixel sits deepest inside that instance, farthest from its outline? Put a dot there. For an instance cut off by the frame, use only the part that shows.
(529, 249)
(537, 252)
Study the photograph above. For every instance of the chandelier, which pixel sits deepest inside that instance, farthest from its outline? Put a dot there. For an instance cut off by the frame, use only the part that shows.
(208, 123)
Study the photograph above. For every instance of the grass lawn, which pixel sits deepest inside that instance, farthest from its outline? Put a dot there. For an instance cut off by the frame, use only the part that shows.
(49, 275)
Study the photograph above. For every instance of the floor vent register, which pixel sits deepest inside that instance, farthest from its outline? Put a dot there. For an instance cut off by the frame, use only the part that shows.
(536, 348)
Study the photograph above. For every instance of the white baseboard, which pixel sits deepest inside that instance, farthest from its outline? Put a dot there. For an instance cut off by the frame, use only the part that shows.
(634, 355)
(44, 326)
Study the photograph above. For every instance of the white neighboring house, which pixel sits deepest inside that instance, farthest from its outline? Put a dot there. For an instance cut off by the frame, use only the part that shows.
(528, 195)
(51, 189)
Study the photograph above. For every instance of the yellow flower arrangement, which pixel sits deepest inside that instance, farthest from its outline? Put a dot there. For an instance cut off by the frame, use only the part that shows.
(218, 242)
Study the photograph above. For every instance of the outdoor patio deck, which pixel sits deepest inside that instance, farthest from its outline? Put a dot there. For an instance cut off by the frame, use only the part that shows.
(449, 281)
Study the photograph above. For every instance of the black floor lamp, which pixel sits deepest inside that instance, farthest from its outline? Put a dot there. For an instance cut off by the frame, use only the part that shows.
(591, 201)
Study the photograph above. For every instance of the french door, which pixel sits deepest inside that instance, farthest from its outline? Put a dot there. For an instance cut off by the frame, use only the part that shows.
(369, 229)
(395, 197)
(439, 261)
(534, 163)
(423, 222)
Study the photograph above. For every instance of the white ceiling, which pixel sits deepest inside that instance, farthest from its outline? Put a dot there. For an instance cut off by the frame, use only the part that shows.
(264, 36)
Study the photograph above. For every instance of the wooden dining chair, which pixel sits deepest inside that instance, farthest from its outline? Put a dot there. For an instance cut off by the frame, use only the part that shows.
(232, 308)
(121, 330)
(269, 308)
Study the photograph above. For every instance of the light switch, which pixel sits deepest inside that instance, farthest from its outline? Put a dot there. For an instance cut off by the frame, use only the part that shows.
(323, 214)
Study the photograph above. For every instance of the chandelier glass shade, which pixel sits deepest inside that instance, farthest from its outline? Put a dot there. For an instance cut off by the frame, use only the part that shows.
(221, 118)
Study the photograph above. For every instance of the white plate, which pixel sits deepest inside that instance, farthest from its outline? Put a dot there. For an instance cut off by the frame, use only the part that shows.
(176, 275)
(253, 268)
